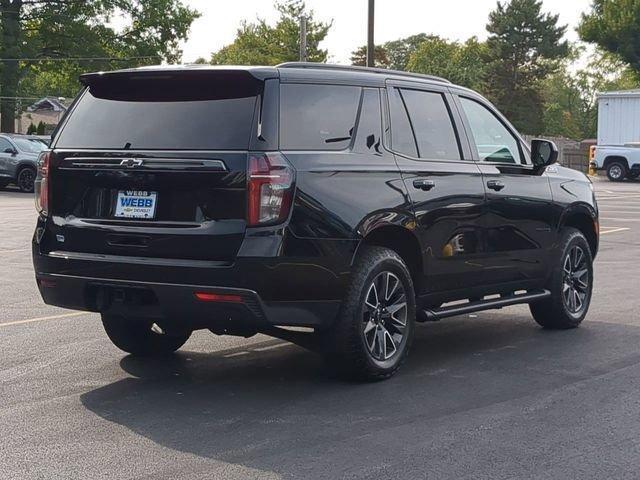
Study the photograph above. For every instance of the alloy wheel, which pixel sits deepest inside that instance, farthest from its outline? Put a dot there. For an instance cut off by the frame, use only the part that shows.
(26, 180)
(575, 286)
(385, 316)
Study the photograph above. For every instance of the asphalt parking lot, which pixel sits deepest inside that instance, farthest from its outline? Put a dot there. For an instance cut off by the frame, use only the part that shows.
(492, 396)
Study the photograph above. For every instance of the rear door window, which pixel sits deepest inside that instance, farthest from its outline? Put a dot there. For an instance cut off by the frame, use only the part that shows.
(432, 125)
(318, 117)
(163, 114)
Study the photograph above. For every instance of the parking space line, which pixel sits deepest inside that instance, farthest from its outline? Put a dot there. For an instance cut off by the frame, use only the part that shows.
(17, 250)
(42, 319)
(620, 212)
(633, 196)
(613, 230)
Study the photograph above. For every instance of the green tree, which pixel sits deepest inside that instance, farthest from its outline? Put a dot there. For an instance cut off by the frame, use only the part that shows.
(41, 128)
(614, 26)
(67, 29)
(463, 64)
(399, 51)
(380, 59)
(32, 129)
(259, 43)
(571, 107)
(524, 47)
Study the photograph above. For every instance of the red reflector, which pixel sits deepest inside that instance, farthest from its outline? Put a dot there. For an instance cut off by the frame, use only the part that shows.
(217, 297)
(47, 283)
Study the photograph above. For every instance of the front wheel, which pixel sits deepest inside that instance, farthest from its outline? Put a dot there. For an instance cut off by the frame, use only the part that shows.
(571, 285)
(134, 336)
(375, 327)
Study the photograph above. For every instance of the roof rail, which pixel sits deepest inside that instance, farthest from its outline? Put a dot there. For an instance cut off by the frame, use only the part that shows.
(353, 68)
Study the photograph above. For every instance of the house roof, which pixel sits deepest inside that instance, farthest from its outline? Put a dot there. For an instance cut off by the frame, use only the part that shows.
(48, 103)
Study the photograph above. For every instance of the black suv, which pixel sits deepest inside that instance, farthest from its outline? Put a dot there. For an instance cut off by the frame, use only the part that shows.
(349, 201)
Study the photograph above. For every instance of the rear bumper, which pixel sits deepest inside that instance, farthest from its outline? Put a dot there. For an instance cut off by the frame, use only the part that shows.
(285, 289)
(176, 307)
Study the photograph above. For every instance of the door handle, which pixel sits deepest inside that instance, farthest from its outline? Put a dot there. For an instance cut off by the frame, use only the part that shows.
(425, 185)
(496, 185)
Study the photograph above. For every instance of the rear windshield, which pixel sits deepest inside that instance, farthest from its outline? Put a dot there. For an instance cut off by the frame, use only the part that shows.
(163, 113)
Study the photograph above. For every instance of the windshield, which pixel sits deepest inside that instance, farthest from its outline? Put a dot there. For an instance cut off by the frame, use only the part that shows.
(29, 145)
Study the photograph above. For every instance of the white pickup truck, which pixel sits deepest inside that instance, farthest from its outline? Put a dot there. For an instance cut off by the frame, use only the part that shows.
(618, 148)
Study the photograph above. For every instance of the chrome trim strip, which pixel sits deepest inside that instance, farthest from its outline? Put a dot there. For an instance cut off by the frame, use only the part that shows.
(138, 163)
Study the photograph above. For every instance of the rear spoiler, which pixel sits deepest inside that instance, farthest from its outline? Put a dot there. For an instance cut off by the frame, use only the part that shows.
(180, 72)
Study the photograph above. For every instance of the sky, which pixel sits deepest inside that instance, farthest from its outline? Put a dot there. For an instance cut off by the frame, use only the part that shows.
(451, 19)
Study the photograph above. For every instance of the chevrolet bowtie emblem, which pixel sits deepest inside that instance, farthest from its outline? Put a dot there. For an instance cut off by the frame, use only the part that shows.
(131, 162)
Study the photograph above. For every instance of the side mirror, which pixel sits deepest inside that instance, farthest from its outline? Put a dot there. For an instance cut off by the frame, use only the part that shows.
(543, 153)
(10, 150)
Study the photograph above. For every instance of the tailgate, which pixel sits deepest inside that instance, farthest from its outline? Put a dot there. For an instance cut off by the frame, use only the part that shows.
(198, 211)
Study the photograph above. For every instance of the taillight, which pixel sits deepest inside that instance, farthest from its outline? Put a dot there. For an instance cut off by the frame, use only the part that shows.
(43, 183)
(271, 181)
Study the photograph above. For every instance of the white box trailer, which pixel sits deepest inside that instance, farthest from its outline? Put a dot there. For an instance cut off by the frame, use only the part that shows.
(619, 117)
(618, 148)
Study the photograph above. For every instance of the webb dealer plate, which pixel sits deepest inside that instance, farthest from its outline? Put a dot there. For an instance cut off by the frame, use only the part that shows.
(136, 204)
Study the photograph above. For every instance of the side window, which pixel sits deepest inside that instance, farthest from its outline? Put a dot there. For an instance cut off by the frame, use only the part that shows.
(4, 144)
(495, 143)
(317, 117)
(432, 125)
(368, 133)
(402, 139)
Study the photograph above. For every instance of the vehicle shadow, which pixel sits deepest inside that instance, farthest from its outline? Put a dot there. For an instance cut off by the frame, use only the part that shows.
(12, 191)
(279, 409)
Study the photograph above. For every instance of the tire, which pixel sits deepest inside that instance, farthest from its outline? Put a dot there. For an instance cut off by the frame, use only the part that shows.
(616, 171)
(571, 285)
(25, 179)
(633, 176)
(373, 334)
(134, 336)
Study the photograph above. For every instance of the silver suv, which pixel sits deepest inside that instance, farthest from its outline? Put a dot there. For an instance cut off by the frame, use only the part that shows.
(18, 159)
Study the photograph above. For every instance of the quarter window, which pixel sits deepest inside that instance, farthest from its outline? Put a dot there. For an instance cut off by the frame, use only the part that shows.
(402, 139)
(432, 125)
(494, 142)
(318, 117)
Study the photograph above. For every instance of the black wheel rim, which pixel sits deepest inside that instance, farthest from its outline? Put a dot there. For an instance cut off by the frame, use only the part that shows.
(575, 285)
(384, 319)
(26, 179)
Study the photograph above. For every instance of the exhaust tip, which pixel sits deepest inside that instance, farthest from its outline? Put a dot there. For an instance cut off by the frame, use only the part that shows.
(155, 328)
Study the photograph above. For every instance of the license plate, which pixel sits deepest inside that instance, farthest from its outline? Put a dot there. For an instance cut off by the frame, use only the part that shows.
(136, 204)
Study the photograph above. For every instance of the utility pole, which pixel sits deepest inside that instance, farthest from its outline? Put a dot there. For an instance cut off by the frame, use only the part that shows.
(303, 38)
(370, 43)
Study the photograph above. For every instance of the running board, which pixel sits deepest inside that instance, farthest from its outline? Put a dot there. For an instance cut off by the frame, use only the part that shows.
(480, 305)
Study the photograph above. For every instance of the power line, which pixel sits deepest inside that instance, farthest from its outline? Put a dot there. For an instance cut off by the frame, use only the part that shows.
(81, 59)
(32, 98)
